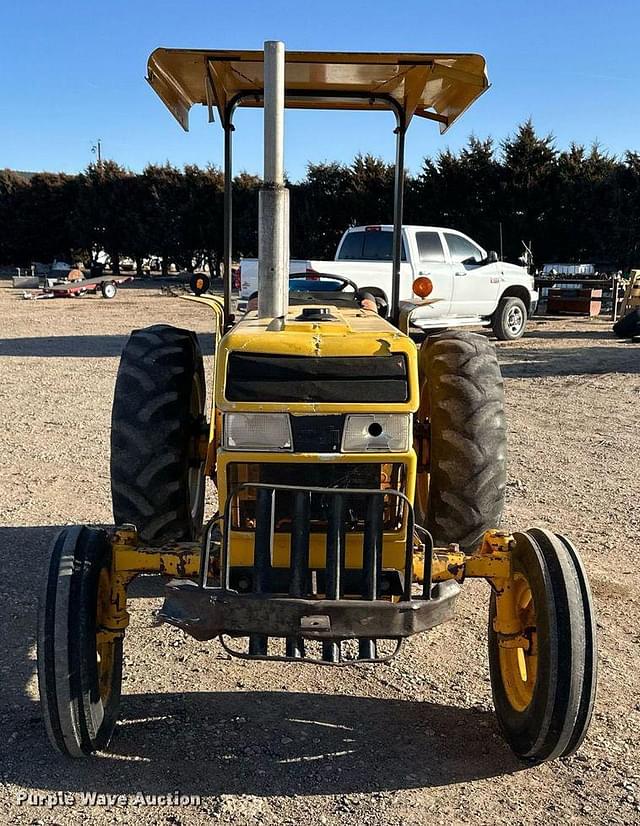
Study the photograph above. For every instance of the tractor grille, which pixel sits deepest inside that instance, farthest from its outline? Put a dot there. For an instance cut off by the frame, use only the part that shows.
(387, 477)
(317, 434)
(257, 377)
(370, 582)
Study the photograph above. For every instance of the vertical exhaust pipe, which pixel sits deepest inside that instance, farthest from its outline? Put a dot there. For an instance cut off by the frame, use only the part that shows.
(273, 237)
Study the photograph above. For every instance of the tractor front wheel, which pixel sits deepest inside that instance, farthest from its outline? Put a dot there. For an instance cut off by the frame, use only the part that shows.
(79, 663)
(544, 692)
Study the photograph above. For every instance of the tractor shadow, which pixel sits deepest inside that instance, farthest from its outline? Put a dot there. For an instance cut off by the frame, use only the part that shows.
(228, 742)
(577, 335)
(80, 346)
(545, 362)
(290, 743)
(272, 743)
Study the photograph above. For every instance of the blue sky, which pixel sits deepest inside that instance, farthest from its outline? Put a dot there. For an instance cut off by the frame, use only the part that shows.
(73, 71)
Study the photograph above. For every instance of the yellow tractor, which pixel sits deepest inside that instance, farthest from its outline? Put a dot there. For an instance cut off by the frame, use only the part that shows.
(360, 475)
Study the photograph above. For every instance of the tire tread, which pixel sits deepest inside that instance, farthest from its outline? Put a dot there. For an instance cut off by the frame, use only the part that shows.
(150, 432)
(468, 438)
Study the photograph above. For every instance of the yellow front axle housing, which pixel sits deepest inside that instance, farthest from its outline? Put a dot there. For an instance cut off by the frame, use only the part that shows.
(181, 560)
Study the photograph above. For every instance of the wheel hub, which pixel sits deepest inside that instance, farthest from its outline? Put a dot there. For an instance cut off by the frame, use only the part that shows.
(519, 664)
(105, 643)
(515, 320)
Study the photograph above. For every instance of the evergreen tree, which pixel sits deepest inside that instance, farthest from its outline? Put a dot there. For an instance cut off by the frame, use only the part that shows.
(577, 205)
(321, 209)
(530, 187)
(14, 190)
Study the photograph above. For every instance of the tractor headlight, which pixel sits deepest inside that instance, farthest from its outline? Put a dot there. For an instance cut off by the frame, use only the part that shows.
(376, 433)
(257, 431)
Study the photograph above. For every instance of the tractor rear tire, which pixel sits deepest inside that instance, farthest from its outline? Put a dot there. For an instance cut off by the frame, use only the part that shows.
(544, 696)
(463, 400)
(79, 674)
(157, 472)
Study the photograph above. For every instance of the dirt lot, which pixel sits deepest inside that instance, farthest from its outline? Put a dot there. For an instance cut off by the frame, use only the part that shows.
(408, 743)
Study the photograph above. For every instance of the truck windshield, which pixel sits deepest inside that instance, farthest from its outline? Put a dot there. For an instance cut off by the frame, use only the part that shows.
(369, 245)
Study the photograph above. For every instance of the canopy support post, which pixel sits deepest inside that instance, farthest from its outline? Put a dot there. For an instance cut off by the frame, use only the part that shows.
(398, 196)
(228, 213)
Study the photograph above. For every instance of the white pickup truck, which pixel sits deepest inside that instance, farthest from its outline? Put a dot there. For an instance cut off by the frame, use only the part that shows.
(470, 286)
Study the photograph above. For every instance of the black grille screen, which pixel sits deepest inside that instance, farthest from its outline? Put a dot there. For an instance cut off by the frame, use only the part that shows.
(365, 475)
(254, 377)
(317, 434)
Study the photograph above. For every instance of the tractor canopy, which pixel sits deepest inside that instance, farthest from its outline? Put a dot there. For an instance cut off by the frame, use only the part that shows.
(438, 87)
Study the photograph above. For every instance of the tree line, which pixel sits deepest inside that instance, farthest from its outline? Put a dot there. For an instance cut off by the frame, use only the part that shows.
(579, 204)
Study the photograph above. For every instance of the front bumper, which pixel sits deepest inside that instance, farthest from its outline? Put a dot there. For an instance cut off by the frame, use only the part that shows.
(319, 604)
(205, 613)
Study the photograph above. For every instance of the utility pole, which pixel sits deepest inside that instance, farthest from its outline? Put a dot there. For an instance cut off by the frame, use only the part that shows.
(97, 150)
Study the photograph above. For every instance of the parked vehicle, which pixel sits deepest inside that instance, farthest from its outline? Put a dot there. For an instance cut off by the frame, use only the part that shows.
(107, 285)
(470, 285)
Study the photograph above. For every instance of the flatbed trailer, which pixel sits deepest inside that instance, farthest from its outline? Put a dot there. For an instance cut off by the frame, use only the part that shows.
(106, 284)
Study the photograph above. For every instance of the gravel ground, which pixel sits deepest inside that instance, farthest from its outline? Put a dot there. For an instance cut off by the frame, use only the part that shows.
(411, 742)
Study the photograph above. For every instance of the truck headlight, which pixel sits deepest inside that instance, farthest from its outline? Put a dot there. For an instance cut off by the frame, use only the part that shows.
(257, 431)
(376, 433)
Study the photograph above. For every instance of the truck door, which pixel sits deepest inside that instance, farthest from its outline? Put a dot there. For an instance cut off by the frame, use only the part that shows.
(431, 261)
(475, 282)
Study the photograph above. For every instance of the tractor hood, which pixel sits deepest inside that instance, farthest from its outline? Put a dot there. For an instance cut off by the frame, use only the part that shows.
(351, 344)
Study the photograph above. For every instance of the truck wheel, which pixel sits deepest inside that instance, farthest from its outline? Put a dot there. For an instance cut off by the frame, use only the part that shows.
(544, 696)
(157, 472)
(79, 669)
(108, 289)
(460, 492)
(510, 319)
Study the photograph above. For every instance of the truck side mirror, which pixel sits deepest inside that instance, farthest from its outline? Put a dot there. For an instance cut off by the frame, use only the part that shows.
(492, 257)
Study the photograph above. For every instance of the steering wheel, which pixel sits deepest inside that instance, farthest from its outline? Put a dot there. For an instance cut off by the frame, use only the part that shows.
(359, 292)
(345, 282)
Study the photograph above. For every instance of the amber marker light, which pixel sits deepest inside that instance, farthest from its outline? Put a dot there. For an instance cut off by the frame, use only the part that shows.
(422, 286)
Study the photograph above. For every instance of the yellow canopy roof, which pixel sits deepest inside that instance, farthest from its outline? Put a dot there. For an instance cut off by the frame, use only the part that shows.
(435, 86)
